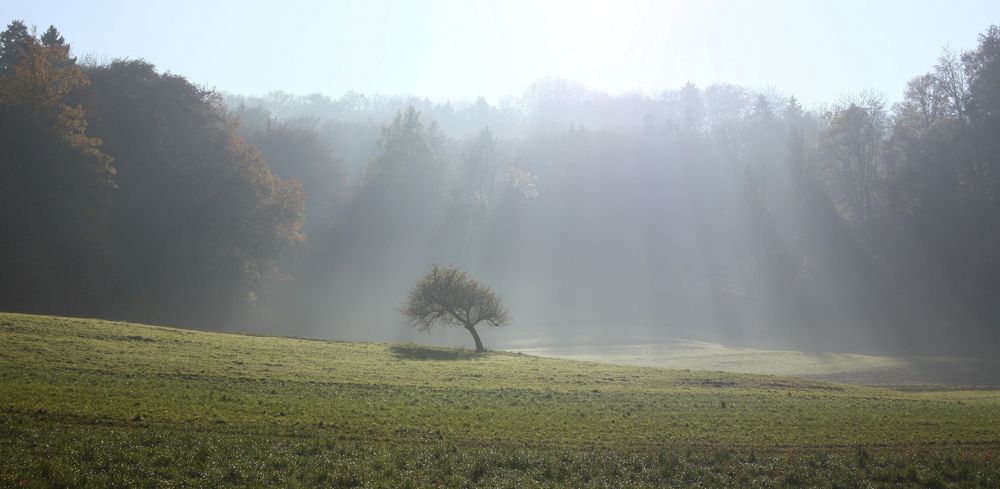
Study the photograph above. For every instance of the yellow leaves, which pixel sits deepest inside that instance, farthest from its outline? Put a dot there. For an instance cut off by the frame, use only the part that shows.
(39, 84)
(42, 77)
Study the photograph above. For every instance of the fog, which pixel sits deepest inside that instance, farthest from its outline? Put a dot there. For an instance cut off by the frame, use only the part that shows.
(712, 213)
(606, 202)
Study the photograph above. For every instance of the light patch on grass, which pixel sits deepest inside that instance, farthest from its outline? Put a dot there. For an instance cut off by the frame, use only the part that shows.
(839, 367)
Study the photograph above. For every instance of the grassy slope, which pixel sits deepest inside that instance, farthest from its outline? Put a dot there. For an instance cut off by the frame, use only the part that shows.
(103, 403)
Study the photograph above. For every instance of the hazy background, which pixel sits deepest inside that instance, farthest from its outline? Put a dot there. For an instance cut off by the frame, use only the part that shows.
(460, 50)
(767, 174)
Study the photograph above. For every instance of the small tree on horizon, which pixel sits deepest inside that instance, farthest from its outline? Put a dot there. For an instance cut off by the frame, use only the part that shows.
(449, 297)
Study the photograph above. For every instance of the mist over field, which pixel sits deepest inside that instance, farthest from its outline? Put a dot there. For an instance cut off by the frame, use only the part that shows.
(518, 243)
(610, 210)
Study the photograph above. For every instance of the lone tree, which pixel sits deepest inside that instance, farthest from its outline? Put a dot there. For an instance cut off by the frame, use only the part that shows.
(449, 297)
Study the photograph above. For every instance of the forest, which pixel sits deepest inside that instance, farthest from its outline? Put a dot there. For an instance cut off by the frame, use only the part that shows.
(722, 213)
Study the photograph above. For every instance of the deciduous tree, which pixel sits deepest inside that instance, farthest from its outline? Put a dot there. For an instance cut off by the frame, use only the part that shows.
(447, 296)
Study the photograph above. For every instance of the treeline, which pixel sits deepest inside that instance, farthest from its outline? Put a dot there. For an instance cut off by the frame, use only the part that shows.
(719, 213)
(128, 193)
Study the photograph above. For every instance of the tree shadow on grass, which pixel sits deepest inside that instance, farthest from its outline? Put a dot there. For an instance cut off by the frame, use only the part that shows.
(417, 352)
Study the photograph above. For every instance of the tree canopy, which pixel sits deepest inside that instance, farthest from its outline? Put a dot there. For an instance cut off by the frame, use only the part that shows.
(55, 181)
(181, 228)
(720, 212)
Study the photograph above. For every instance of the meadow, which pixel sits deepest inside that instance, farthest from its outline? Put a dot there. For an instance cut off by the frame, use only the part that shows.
(89, 403)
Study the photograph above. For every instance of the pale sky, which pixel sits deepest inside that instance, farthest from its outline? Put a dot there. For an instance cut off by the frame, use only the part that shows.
(460, 49)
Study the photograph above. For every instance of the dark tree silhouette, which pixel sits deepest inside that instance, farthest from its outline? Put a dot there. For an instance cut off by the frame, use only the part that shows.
(198, 218)
(449, 297)
(55, 181)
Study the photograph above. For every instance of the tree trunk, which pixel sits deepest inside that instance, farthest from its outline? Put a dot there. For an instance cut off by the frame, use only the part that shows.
(475, 336)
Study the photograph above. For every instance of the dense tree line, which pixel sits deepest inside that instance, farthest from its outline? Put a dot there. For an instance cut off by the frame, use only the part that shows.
(56, 180)
(127, 192)
(719, 212)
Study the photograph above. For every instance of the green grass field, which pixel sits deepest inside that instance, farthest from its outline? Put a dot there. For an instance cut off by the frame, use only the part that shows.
(87, 403)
